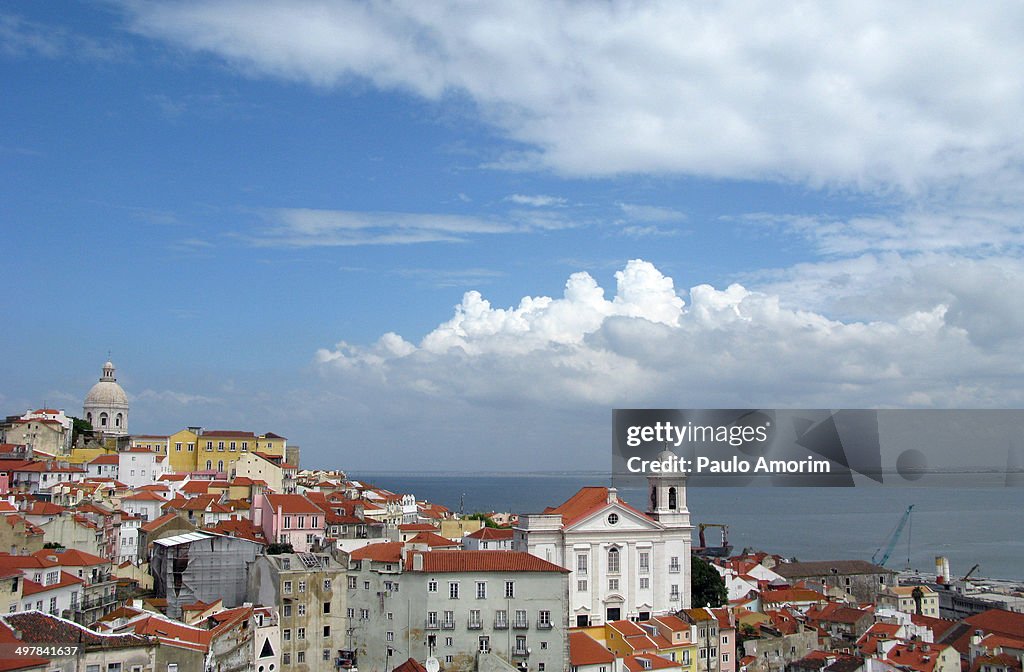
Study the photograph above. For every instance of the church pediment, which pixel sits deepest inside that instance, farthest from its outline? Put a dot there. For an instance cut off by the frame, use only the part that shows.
(614, 517)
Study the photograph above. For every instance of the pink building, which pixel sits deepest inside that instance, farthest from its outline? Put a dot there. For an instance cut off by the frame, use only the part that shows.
(291, 519)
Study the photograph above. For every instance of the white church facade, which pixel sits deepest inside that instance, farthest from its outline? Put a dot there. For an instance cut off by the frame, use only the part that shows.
(624, 563)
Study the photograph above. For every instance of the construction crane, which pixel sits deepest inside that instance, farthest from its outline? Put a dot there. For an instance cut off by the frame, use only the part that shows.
(968, 574)
(891, 541)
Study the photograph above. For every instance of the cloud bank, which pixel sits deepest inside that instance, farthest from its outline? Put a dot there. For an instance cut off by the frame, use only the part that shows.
(729, 347)
(874, 95)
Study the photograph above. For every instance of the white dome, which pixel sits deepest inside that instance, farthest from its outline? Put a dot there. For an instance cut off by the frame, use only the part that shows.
(106, 393)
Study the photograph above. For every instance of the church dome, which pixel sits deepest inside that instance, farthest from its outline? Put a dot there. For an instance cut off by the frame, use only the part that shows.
(106, 393)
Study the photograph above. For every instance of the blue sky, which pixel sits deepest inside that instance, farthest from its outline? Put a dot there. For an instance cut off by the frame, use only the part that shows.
(222, 194)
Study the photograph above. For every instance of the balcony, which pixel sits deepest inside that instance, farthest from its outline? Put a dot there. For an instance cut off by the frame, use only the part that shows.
(522, 653)
(447, 625)
(520, 624)
(501, 624)
(544, 625)
(433, 625)
(673, 569)
(474, 625)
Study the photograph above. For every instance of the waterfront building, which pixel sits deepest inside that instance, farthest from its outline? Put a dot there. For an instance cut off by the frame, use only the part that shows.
(624, 564)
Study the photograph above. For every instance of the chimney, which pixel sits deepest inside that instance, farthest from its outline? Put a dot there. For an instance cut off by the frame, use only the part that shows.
(613, 495)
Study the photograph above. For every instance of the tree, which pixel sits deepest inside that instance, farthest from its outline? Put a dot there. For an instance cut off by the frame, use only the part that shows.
(484, 517)
(707, 587)
(918, 595)
(278, 549)
(53, 544)
(78, 427)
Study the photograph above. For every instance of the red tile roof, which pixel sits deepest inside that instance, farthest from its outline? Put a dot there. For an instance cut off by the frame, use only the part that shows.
(105, 459)
(71, 557)
(292, 504)
(998, 621)
(588, 501)
(918, 656)
(492, 534)
(433, 540)
(30, 587)
(411, 665)
(36, 626)
(158, 522)
(483, 561)
(789, 595)
(388, 551)
(585, 650)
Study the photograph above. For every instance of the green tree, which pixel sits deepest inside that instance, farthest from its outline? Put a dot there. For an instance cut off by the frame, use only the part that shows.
(78, 426)
(707, 587)
(484, 517)
(278, 549)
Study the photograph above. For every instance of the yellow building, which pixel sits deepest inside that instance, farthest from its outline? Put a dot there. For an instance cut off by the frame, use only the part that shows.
(195, 449)
(182, 450)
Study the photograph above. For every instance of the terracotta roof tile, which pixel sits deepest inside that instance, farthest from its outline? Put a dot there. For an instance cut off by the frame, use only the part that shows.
(585, 650)
(483, 561)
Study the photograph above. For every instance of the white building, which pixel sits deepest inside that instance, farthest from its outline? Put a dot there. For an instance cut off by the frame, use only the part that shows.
(623, 563)
(140, 466)
(106, 404)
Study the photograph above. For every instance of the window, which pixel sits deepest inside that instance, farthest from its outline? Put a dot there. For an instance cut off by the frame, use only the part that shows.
(645, 562)
(191, 447)
(350, 612)
(232, 446)
(326, 654)
(581, 565)
(448, 659)
(300, 657)
(302, 522)
(209, 465)
(366, 585)
(286, 634)
(474, 618)
(613, 518)
(287, 587)
(113, 667)
(286, 611)
(327, 584)
(351, 583)
(510, 589)
(177, 447)
(501, 619)
(725, 657)
(613, 560)
(581, 586)
(302, 610)
(725, 639)
(673, 564)
(613, 584)
(521, 620)
(364, 614)
(286, 659)
(287, 522)
(520, 644)
(544, 619)
(171, 667)
(300, 634)
(220, 445)
(481, 590)
(327, 607)
(389, 636)
(302, 586)
(645, 583)
(453, 590)
(327, 631)
(432, 586)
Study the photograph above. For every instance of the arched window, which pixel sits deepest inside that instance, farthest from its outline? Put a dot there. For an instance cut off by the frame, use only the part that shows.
(613, 560)
(209, 465)
(672, 499)
(103, 419)
(117, 420)
(88, 417)
(220, 465)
